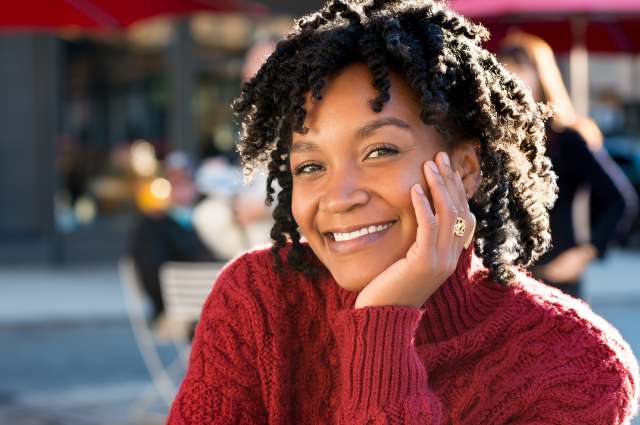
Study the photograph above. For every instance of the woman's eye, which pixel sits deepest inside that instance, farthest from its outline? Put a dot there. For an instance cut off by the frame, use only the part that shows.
(306, 169)
(382, 151)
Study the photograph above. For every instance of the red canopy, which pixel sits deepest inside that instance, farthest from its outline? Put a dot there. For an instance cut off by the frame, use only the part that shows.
(610, 26)
(605, 37)
(106, 14)
(492, 8)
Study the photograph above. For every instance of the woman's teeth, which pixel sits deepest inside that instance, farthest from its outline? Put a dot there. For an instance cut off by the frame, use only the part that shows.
(361, 232)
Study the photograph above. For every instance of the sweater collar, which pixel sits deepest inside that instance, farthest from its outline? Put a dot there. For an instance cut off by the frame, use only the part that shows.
(465, 300)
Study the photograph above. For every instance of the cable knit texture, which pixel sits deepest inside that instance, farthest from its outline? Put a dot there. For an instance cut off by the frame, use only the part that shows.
(280, 349)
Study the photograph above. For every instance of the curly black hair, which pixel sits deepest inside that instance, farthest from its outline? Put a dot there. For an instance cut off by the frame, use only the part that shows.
(465, 93)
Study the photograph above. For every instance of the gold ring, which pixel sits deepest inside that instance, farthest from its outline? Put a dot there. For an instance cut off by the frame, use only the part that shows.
(459, 227)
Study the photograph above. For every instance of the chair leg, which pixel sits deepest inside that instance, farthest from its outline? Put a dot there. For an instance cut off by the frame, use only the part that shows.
(143, 335)
(140, 410)
(161, 379)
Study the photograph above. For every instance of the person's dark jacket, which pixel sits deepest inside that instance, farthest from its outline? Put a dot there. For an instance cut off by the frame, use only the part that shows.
(156, 240)
(612, 196)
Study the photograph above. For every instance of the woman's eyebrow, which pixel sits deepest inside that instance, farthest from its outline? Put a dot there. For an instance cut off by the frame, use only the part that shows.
(372, 126)
(361, 133)
(302, 146)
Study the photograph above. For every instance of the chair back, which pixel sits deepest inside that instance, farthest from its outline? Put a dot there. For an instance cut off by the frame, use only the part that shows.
(185, 287)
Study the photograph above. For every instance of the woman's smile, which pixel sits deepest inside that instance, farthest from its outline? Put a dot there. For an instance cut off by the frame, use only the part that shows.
(347, 241)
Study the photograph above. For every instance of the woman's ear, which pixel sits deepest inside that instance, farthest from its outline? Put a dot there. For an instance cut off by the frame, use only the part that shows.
(465, 160)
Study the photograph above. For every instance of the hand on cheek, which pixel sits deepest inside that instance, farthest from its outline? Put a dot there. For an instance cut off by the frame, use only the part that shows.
(433, 257)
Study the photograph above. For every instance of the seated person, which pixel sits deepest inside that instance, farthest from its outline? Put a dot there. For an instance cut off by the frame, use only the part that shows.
(168, 235)
(233, 217)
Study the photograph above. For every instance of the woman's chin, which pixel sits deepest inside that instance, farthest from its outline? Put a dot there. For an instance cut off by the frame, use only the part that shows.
(355, 274)
(351, 286)
(354, 282)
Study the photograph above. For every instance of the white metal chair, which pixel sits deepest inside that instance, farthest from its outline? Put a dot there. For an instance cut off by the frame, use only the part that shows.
(165, 377)
(185, 287)
(163, 386)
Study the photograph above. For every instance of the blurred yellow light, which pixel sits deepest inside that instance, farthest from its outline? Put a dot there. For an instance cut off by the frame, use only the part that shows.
(85, 210)
(148, 201)
(143, 158)
(160, 188)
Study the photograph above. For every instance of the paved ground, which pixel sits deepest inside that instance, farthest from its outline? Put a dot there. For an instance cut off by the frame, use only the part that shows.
(45, 295)
(72, 359)
(72, 374)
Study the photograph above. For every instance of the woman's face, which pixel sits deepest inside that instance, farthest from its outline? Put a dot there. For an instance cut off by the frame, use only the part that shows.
(352, 175)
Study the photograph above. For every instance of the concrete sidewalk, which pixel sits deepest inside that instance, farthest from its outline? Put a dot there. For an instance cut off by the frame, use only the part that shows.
(96, 405)
(70, 294)
(615, 279)
(53, 295)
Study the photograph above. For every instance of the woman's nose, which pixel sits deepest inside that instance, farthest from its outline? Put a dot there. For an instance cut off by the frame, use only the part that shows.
(342, 194)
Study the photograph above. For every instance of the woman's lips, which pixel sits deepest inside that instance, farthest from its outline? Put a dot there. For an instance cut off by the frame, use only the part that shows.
(352, 245)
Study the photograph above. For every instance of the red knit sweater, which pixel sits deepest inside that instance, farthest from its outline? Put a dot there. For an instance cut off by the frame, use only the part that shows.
(284, 350)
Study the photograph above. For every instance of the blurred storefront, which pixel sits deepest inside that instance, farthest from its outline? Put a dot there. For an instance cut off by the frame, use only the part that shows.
(85, 120)
(615, 106)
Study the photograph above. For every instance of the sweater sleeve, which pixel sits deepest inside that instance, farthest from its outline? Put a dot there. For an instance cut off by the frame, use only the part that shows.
(611, 401)
(383, 379)
(222, 385)
(595, 383)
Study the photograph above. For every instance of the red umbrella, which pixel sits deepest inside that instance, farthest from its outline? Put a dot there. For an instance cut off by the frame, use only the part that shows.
(576, 26)
(106, 14)
(546, 7)
(601, 26)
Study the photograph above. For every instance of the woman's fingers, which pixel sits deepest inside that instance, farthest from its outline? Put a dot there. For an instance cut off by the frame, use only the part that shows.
(445, 209)
(427, 224)
(436, 226)
(458, 193)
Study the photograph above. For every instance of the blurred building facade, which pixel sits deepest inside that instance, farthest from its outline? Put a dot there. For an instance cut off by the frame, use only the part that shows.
(74, 106)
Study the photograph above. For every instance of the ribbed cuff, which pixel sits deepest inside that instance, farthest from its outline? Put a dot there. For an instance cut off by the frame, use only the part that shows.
(378, 362)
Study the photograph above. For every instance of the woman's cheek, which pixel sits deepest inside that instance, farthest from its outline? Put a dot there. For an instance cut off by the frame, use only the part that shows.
(404, 181)
(302, 208)
(296, 206)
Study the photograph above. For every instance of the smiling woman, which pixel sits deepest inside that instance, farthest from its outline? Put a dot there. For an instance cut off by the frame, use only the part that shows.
(353, 169)
(413, 165)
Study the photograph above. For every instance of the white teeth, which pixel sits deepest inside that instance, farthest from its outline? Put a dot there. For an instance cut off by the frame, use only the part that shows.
(361, 232)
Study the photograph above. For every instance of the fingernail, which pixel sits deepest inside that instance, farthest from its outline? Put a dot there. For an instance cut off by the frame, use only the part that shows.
(433, 166)
(445, 159)
(419, 189)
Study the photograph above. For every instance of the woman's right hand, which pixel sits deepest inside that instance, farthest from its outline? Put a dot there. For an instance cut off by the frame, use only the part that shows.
(434, 255)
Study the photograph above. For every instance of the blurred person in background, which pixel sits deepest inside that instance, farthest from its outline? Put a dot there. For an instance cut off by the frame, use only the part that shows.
(256, 55)
(168, 234)
(234, 218)
(574, 144)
